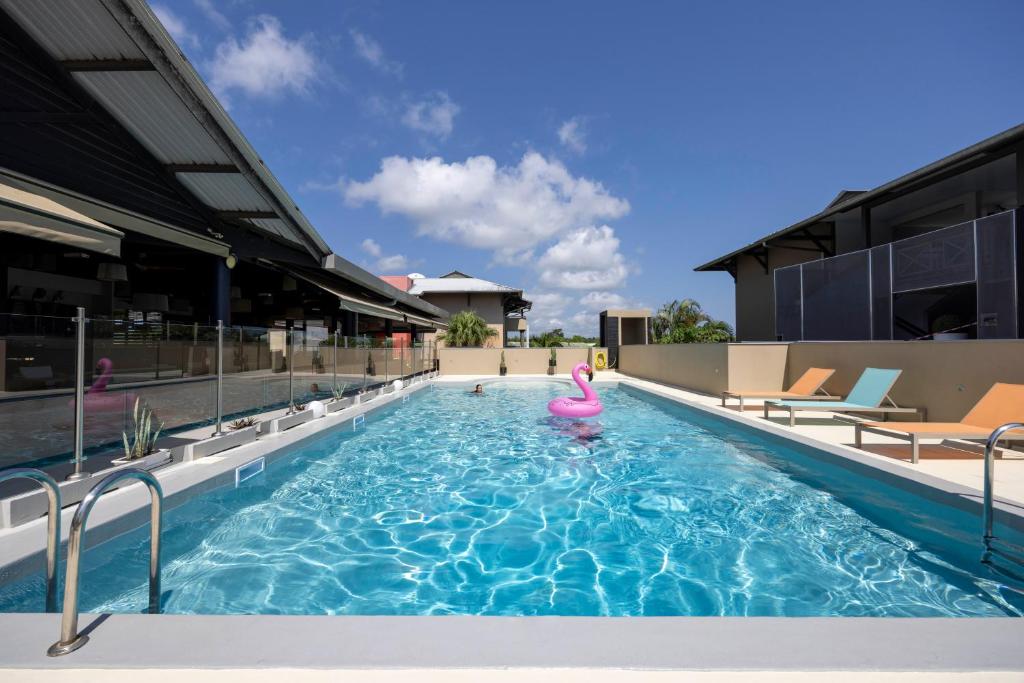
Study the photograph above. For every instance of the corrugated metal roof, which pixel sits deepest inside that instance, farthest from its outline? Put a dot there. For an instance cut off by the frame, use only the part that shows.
(272, 225)
(224, 191)
(434, 285)
(74, 29)
(147, 106)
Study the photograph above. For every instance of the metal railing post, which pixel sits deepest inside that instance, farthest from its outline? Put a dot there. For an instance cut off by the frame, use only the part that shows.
(990, 473)
(219, 431)
(52, 525)
(70, 638)
(291, 371)
(334, 378)
(401, 361)
(79, 447)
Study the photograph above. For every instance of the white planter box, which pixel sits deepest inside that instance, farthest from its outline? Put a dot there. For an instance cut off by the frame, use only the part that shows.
(340, 404)
(218, 444)
(288, 421)
(146, 462)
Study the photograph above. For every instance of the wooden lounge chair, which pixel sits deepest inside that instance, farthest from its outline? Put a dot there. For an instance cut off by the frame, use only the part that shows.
(866, 396)
(1001, 404)
(806, 387)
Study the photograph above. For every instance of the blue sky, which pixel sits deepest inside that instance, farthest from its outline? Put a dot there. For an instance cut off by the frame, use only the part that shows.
(594, 152)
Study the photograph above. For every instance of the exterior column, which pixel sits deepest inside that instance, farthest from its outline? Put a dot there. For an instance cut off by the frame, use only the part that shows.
(221, 295)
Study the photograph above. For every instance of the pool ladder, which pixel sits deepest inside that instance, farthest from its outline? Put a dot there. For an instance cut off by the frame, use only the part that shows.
(52, 525)
(1005, 550)
(70, 638)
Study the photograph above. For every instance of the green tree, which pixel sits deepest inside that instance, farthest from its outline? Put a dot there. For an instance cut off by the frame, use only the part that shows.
(685, 322)
(466, 328)
(549, 339)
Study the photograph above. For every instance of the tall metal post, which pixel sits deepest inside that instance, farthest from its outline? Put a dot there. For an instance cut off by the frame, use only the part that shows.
(79, 396)
(401, 357)
(291, 369)
(334, 380)
(220, 379)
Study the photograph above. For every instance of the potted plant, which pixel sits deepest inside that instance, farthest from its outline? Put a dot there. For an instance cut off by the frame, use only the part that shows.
(140, 449)
(943, 328)
(590, 364)
(242, 423)
(338, 391)
(552, 362)
(502, 368)
(371, 370)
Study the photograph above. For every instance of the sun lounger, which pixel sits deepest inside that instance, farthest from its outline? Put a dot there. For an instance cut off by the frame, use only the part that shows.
(866, 396)
(804, 388)
(1001, 404)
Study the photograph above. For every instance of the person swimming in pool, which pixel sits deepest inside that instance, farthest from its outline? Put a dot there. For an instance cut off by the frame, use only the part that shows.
(478, 390)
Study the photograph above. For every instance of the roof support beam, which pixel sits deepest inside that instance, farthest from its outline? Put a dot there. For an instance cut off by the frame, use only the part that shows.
(762, 258)
(107, 65)
(824, 248)
(202, 168)
(246, 214)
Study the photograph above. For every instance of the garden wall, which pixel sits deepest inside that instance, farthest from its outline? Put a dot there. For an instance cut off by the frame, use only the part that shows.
(945, 377)
(519, 361)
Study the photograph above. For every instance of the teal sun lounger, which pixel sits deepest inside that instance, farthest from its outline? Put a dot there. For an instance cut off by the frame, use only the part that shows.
(866, 396)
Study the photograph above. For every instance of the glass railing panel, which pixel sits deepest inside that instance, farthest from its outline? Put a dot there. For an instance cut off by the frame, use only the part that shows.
(37, 379)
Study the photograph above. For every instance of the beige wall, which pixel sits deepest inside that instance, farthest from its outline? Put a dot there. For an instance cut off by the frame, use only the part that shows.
(519, 361)
(701, 367)
(946, 378)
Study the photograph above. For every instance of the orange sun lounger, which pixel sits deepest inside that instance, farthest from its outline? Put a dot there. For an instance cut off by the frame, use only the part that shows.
(1001, 404)
(806, 387)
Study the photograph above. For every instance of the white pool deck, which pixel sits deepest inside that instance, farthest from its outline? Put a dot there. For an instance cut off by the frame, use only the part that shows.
(565, 649)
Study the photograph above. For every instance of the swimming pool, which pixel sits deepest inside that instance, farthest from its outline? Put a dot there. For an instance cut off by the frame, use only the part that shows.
(453, 503)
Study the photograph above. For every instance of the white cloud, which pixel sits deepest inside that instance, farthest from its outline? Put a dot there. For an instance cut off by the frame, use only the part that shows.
(586, 258)
(384, 264)
(573, 135)
(213, 15)
(392, 264)
(265, 63)
(434, 114)
(574, 314)
(373, 54)
(509, 210)
(371, 247)
(176, 26)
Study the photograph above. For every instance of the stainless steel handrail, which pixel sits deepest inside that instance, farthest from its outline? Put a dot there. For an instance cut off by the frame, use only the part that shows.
(52, 525)
(70, 638)
(990, 474)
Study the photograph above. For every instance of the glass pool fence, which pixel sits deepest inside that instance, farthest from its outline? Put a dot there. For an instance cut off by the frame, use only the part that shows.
(172, 369)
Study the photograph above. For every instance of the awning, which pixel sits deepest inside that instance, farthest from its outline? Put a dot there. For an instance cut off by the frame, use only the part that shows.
(32, 215)
(351, 303)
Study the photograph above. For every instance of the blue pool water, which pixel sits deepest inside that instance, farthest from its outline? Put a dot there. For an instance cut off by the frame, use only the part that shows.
(459, 504)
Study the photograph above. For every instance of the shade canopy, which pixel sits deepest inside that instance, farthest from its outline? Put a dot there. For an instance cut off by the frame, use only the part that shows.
(32, 215)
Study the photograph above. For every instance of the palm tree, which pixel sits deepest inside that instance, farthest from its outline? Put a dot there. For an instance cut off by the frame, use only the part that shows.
(466, 328)
(685, 322)
(547, 340)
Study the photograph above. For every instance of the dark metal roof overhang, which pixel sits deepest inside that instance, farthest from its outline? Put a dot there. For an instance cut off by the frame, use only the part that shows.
(810, 229)
(356, 299)
(120, 56)
(33, 215)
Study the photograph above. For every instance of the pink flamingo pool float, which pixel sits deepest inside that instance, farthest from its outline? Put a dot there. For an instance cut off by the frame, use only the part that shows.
(572, 406)
(97, 400)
